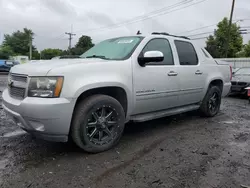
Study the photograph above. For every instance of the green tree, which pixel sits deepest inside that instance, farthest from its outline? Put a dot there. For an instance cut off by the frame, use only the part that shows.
(6, 52)
(19, 41)
(35, 55)
(65, 52)
(247, 50)
(84, 43)
(216, 44)
(77, 51)
(212, 46)
(50, 53)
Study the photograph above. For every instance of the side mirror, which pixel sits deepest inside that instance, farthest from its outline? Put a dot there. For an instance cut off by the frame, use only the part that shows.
(150, 56)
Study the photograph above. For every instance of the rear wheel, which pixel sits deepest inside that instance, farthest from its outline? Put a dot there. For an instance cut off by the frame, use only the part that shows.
(98, 123)
(211, 103)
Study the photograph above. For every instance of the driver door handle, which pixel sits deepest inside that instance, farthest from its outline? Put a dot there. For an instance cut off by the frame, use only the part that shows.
(172, 73)
(198, 72)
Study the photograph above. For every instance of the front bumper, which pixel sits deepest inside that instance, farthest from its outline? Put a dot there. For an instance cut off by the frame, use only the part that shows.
(238, 89)
(45, 118)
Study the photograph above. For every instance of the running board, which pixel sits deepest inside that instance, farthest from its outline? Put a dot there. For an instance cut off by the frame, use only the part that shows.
(163, 113)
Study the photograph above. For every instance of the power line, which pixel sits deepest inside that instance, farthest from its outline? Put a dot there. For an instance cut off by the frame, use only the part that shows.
(242, 33)
(207, 26)
(244, 27)
(143, 16)
(59, 37)
(200, 34)
(197, 29)
(146, 17)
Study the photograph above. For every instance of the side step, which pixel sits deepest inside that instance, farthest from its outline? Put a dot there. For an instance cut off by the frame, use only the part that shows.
(163, 113)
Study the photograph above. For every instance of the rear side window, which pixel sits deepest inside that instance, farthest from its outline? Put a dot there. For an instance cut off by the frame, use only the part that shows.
(186, 52)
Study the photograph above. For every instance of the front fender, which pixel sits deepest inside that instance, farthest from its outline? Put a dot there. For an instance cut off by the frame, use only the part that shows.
(90, 86)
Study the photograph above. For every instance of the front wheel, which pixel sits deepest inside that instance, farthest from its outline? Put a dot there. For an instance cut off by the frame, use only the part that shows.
(98, 123)
(211, 103)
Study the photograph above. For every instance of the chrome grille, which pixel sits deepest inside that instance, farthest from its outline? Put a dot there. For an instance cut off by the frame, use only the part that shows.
(19, 78)
(17, 85)
(17, 92)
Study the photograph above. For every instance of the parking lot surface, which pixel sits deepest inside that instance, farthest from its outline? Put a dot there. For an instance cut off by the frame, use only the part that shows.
(179, 151)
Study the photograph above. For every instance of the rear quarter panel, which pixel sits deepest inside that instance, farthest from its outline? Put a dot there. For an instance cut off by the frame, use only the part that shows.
(216, 71)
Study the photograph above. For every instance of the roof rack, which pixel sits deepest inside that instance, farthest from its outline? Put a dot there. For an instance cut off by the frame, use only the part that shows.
(167, 34)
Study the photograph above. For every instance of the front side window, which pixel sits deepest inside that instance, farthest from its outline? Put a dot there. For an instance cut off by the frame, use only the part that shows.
(163, 46)
(114, 49)
(186, 52)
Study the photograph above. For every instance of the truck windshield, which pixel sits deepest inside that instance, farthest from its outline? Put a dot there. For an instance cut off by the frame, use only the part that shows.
(114, 49)
(243, 71)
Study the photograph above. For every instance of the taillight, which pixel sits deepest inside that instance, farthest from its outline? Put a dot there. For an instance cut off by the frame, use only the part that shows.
(231, 73)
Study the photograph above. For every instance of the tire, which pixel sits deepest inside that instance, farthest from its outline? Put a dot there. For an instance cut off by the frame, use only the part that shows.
(211, 105)
(91, 117)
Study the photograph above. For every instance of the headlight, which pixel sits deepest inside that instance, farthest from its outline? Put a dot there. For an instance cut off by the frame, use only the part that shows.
(47, 87)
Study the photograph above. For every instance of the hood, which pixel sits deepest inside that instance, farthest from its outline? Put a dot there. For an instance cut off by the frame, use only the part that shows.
(241, 78)
(42, 67)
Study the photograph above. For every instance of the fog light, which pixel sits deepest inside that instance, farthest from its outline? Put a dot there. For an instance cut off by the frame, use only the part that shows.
(37, 126)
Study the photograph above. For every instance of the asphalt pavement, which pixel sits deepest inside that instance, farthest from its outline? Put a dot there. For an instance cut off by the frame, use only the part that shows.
(3, 81)
(179, 151)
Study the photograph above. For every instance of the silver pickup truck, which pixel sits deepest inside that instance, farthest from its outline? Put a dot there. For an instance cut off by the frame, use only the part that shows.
(134, 78)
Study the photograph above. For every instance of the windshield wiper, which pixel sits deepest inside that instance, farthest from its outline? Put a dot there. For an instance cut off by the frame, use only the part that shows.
(97, 56)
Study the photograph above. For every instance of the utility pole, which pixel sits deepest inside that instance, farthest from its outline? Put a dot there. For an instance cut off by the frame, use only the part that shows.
(40, 54)
(229, 28)
(70, 38)
(30, 45)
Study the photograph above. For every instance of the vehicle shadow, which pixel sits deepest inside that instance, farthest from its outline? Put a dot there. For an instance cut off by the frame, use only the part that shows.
(132, 130)
(25, 151)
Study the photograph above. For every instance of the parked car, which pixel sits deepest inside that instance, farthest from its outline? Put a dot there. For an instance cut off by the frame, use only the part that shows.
(135, 78)
(5, 65)
(241, 80)
(235, 69)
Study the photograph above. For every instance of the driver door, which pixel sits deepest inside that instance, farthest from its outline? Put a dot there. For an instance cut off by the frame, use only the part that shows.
(156, 85)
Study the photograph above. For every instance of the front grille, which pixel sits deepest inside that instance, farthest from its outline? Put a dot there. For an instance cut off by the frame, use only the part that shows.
(19, 78)
(233, 83)
(17, 85)
(17, 92)
(242, 83)
(239, 83)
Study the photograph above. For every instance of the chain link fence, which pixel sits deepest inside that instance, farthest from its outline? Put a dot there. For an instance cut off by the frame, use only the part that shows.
(236, 62)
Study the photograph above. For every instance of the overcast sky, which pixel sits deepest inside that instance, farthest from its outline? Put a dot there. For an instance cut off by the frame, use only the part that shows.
(50, 19)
